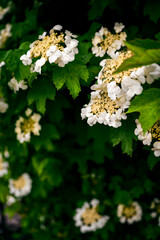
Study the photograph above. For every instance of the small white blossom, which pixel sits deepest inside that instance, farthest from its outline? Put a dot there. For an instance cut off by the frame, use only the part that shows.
(118, 27)
(3, 105)
(21, 186)
(129, 214)
(10, 200)
(3, 11)
(131, 87)
(2, 64)
(87, 217)
(3, 166)
(156, 148)
(15, 85)
(146, 137)
(26, 58)
(42, 36)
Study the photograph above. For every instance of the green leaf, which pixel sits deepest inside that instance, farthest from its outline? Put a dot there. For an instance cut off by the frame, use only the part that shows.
(84, 54)
(152, 8)
(125, 136)
(45, 139)
(152, 160)
(70, 75)
(42, 89)
(148, 104)
(14, 64)
(145, 52)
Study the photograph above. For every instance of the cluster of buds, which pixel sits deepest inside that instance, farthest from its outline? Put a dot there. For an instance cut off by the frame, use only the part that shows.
(57, 47)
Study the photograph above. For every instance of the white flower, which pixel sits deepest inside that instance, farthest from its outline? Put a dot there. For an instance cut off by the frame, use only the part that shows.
(139, 75)
(39, 63)
(131, 87)
(130, 214)
(146, 137)
(42, 36)
(2, 64)
(28, 112)
(113, 90)
(152, 72)
(3, 166)
(6, 153)
(26, 58)
(24, 127)
(156, 148)
(3, 106)
(21, 186)
(3, 11)
(57, 27)
(87, 217)
(15, 85)
(118, 27)
(10, 200)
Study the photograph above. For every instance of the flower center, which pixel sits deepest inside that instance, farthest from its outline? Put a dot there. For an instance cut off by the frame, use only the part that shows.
(155, 130)
(28, 125)
(128, 212)
(104, 104)
(20, 182)
(90, 216)
(107, 74)
(40, 47)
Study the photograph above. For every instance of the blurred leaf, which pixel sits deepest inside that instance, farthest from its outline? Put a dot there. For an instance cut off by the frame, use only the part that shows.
(152, 160)
(148, 104)
(151, 8)
(97, 8)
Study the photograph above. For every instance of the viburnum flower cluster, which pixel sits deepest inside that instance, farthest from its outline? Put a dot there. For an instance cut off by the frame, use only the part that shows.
(88, 218)
(130, 214)
(26, 126)
(20, 187)
(57, 47)
(5, 34)
(150, 136)
(110, 97)
(106, 42)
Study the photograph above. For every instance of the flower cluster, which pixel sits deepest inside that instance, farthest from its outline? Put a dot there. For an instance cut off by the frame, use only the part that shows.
(110, 97)
(152, 135)
(5, 34)
(155, 206)
(21, 186)
(130, 214)
(15, 85)
(24, 127)
(88, 218)
(57, 47)
(3, 105)
(106, 42)
(3, 11)
(3, 166)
